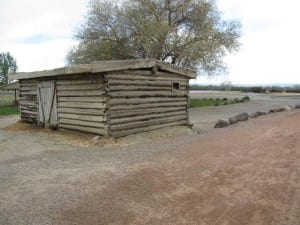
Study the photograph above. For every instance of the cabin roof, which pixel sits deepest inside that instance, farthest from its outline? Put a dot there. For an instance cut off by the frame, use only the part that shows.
(11, 86)
(106, 66)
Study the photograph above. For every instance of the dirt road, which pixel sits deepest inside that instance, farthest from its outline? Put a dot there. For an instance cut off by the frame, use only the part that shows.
(244, 174)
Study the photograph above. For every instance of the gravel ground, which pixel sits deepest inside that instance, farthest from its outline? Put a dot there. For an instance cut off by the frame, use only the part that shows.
(245, 174)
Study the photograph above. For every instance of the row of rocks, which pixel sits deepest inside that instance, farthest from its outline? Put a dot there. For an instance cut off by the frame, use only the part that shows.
(245, 116)
(232, 120)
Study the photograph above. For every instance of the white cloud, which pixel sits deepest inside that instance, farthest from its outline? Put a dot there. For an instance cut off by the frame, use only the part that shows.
(269, 53)
(54, 19)
(270, 46)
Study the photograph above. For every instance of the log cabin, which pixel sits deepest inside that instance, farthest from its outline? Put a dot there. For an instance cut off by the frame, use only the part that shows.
(109, 98)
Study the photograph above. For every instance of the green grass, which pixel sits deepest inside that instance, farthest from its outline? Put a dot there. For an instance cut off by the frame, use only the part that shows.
(206, 102)
(215, 102)
(6, 105)
(9, 110)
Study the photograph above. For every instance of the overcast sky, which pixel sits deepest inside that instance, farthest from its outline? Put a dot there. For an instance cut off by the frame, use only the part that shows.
(39, 33)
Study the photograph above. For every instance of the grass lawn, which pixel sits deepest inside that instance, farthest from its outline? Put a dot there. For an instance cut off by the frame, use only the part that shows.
(7, 107)
(9, 110)
(215, 102)
(206, 102)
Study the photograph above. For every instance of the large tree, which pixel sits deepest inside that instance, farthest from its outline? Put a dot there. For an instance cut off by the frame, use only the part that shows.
(7, 65)
(187, 33)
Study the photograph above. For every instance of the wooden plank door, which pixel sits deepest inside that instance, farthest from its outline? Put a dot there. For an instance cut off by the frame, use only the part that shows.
(47, 103)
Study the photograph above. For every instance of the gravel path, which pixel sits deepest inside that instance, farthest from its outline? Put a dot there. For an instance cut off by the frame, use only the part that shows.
(245, 174)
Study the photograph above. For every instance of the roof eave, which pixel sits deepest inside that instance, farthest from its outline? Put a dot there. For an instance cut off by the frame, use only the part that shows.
(105, 66)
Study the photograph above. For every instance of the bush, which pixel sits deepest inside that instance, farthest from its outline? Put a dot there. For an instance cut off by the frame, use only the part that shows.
(246, 98)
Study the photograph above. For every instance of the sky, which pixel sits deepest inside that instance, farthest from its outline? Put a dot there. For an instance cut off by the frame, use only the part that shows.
(39, 33)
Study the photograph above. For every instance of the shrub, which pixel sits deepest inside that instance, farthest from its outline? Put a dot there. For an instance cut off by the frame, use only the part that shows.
(246, 98)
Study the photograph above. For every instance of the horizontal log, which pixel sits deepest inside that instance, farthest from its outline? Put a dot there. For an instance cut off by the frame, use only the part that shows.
(29, 120)
(146, 117)
(82, 117)
(145, 129)
(81, 99)
(29, 112)
(81, 123)
(28, 81)
(150, 105)
(118, 101)
(29, 107)
(82, 111)
(137, 112)
(28, 92)
(80, 77)
(151, 122)
(139, 88)
(32, 105)
(145, 74)
(32, 99)
(27, 103)
(28, 85)
(29, 117)
(24, 89)
(148, 93)
(33, 110)
(81, 105)
(79, 81)
(80, 93)
(79, 87)
(159, 83)
(99, 131)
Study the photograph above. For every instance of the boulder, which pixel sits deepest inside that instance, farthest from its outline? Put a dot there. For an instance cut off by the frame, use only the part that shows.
(233, 120)
(256, 114)
(246, 98)
(239, 117)
(297, 106)
(287, 108)
(221, 124)
(242, 116)
(261, 113)
(280, 109)
(236, 100)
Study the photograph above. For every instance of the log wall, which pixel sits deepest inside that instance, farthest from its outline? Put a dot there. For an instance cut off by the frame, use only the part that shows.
(28, 101)
(141, 101)
(82, 103)
(113, 104)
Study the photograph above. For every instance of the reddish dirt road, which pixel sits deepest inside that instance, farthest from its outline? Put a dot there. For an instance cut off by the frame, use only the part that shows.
(245, 174)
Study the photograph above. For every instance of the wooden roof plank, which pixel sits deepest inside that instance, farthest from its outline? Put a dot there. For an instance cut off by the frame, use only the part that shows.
(106, 66)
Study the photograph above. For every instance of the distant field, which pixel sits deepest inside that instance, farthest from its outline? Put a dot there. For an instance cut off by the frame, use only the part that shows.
(6, 99)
